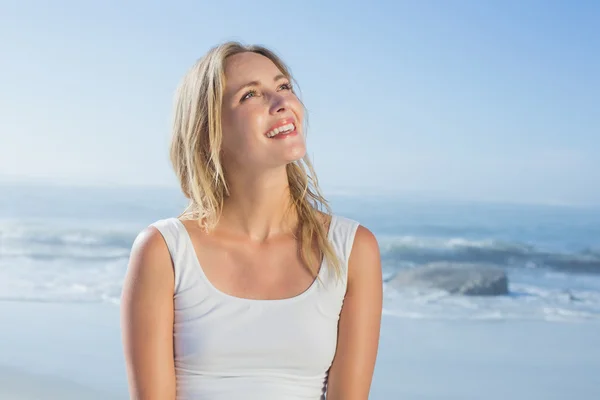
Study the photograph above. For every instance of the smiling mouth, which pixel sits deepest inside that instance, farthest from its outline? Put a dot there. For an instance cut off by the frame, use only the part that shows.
(283, 130)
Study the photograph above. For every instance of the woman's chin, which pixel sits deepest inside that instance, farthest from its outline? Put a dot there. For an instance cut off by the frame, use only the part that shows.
(294, 154)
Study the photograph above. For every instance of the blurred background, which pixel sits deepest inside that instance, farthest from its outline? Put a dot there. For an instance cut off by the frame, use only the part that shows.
(464, 134)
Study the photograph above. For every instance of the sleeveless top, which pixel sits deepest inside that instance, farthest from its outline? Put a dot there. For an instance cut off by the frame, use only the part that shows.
(227, 347)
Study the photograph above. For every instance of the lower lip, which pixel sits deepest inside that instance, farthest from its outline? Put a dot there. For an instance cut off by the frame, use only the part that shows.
(285, 135)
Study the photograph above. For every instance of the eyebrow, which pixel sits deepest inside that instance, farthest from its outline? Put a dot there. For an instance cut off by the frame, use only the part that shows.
(257, 83)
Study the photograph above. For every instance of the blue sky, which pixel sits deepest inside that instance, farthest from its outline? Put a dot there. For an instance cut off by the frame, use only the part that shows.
(494, 100)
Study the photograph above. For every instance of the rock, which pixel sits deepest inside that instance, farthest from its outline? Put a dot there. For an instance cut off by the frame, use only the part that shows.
(456, 278)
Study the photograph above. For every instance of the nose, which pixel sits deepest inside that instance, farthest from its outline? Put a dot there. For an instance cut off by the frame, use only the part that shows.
(279, 103)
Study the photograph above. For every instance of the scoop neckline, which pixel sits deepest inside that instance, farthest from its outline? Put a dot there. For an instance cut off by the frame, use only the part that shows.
(221, 293)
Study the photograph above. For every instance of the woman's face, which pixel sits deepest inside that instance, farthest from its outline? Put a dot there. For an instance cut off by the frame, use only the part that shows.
(257, 100)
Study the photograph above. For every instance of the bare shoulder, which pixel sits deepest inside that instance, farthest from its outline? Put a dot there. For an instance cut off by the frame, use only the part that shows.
(365, 254)
(150, 240)
(365, 241)
(149, 276)
(150, 256)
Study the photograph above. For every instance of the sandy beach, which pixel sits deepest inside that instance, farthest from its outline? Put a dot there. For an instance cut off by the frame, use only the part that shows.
(18, 385)
(57, 350)
(73, 351)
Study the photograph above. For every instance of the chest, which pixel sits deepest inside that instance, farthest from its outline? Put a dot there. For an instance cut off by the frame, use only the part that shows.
(267, 271)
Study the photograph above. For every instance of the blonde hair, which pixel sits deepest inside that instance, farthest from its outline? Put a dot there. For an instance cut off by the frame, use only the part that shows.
(195, 155)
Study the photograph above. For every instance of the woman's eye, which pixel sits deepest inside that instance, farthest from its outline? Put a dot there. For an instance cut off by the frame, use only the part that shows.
(286, 86)
(251, 93)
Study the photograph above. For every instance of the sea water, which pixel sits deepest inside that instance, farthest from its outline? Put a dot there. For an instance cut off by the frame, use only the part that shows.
(73, 246)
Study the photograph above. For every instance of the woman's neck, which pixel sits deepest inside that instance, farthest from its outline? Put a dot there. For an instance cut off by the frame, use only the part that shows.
(258, 205)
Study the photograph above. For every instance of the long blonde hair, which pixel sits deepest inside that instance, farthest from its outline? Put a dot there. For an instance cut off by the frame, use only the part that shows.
(195, 155)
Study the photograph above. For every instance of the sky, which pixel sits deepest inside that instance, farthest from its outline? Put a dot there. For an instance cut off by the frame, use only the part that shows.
(493, 101)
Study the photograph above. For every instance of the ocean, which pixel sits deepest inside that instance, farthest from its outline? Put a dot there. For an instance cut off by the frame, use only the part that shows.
(69, 247)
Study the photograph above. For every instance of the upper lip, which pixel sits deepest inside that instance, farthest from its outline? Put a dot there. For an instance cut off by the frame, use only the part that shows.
(282, 122)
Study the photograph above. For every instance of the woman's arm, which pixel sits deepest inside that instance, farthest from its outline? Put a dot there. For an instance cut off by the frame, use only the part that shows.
(351, 373)
(147, 319)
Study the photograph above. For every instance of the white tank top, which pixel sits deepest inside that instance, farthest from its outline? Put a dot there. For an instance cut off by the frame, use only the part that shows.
(228, 347)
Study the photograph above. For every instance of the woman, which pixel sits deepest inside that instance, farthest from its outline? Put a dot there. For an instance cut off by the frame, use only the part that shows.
(253, 292)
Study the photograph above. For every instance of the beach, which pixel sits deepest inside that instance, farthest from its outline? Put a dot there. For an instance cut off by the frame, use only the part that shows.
(73, 351)
(62, 268)
(53, 350)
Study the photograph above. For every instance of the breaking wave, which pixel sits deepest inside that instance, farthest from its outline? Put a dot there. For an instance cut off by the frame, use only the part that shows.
(410, 250)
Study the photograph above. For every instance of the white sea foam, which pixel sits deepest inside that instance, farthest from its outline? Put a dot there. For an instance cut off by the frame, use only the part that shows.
(525, 302)
(80, 262)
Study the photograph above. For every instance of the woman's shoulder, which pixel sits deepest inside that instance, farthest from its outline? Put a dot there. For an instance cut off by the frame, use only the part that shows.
(362, 241)
(365, 257)
(150, 244)
(340, 225)
(151, 250)
(149, 267)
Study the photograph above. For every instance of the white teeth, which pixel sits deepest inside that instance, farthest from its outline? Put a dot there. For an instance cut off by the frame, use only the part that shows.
(284, 128)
